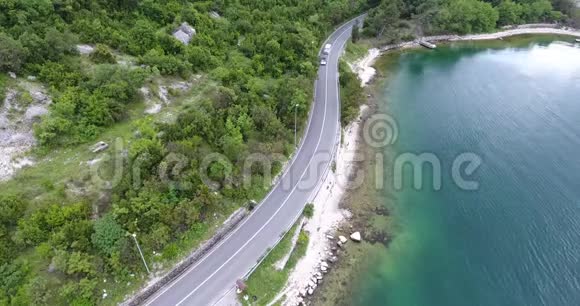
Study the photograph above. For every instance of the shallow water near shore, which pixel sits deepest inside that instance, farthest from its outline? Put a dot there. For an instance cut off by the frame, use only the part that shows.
(515, 240)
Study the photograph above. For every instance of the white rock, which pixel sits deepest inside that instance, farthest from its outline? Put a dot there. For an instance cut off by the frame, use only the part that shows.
(342, 239)
(184, 33)
(12, 74)
(85, 49)
(105, 295)
(310, 291)
(99, 146)
(356, 236)
(330, 237)
(39, 96)
(163, 94)
(246, 297)
(31, 78)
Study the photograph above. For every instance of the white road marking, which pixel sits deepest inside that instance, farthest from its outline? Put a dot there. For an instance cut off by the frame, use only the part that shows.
(281, 206)
(265, 199)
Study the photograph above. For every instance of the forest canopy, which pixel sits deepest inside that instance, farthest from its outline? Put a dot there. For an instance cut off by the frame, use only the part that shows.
(464, 16)
(262, 56)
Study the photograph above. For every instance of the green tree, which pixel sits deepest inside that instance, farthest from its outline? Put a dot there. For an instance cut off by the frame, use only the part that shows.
(167, 64)
(142, 37)
(35, 47)
(81, 292)
(383, 20)
(36, 292)
(80, 264)
(12, 277)
(537, 10)
(59, 44)
(308, 210)
(200, 58)
(509, 12)
(102, 55)
(232, 142)
(12, 53)
(355, 32)
(12, 208)
(467, 16)
(108, 234)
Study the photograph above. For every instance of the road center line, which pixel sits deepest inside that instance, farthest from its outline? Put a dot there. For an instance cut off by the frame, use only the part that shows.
(285, 201)
(275, 213)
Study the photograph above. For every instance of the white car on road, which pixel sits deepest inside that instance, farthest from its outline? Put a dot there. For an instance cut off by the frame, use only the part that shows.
(327, 48)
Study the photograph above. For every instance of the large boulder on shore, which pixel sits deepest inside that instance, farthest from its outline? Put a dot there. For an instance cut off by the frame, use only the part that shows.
(356, 237)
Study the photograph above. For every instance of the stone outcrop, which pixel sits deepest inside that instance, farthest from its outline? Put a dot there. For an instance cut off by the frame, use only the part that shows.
(184, 33)
(85, 49)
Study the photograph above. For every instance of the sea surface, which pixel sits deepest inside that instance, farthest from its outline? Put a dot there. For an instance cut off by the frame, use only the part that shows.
(516, 239)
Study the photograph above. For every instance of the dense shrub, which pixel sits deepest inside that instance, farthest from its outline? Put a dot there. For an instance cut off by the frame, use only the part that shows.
(102, 55)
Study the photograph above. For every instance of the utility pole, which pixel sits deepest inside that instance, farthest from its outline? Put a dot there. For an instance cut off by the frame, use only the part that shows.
(295, 111)
(140, 253)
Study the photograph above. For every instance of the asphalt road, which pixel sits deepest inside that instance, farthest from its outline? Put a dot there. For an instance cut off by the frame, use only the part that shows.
(235, 256)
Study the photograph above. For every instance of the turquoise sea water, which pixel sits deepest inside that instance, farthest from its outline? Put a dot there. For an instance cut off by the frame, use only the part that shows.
(516, 240)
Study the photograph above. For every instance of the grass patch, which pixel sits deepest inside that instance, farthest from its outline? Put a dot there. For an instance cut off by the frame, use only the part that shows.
(355, 51)
(351, 94)
(62, 175)
(46, 180)
(308, 211)
(3, 81)
(266, 282)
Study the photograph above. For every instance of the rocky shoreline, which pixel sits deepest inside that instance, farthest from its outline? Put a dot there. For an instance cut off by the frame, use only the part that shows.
(364, 66)
(324, 249)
